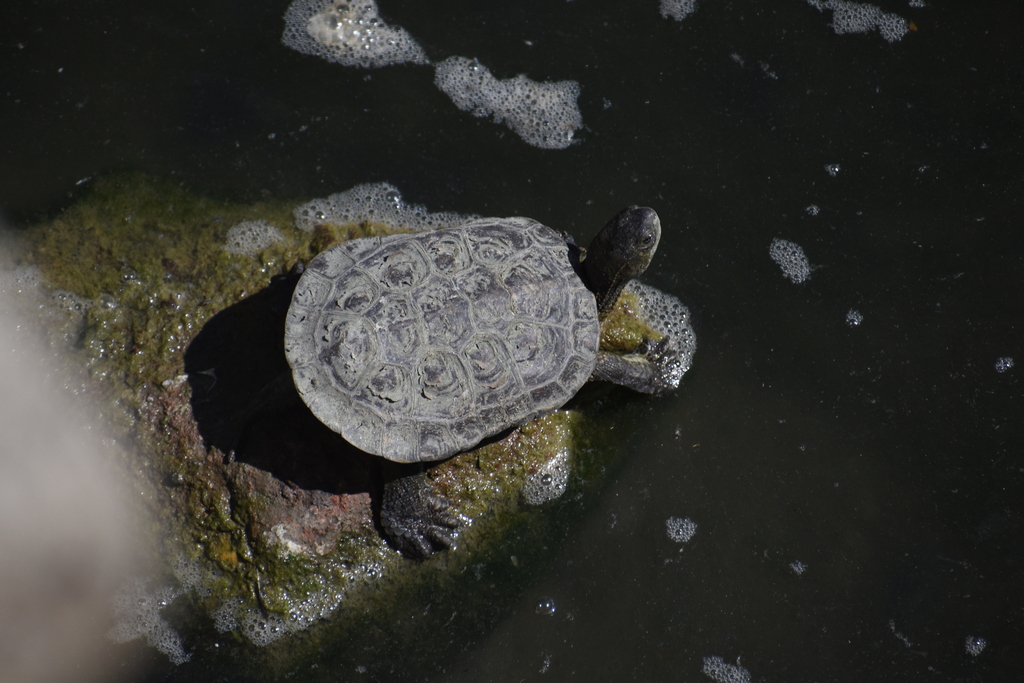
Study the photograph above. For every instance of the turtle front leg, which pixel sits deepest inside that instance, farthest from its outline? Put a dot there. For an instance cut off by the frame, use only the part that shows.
(415, 519)
(654, 368)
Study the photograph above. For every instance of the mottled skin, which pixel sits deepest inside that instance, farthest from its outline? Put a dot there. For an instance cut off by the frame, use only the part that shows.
(419, 522)
(619, 253)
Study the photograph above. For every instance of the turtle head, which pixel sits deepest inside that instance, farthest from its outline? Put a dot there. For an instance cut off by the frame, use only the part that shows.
(620, 252)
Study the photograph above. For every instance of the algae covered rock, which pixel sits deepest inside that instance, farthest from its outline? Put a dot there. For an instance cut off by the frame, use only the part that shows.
(262, 521)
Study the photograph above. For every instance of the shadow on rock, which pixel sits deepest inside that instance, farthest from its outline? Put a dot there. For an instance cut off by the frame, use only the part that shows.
(246, 405)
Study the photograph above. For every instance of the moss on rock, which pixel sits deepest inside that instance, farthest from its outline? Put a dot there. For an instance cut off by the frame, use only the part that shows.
(147, 261)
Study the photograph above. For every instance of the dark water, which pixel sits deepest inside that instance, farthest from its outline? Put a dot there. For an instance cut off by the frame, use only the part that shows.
(888, 457)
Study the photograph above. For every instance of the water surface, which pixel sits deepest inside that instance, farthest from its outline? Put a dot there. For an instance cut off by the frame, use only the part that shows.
(882, 460)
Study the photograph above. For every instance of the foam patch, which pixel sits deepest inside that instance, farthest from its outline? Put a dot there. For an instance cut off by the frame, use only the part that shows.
(677, 9)
(667, 316)
(548, 482)
(791, 258)
(137, 609)
(349, 33)
(544, 115)
(857, 17)
(251, 237)
(680, 529)
(716, 669)
(376, 202)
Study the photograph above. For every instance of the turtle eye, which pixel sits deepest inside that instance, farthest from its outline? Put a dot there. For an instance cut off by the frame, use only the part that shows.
(647, 239)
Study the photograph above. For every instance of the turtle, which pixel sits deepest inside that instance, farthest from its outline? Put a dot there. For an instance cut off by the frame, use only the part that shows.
(416, 347)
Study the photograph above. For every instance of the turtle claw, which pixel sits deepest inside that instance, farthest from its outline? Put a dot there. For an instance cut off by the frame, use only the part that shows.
(417, 520)
(665, 362)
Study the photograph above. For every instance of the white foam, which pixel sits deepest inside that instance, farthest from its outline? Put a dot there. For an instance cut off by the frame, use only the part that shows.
(1003, 364)
(20, 280)
(263, 630)
(377, 202)
(791, 258)
(857, 17)
(349, 33)
(225, 617)
(854, 317)
(549, 481)
(680, 529)
(678, 9)
(546, 607)
(798, 567)
(544, 115)
(137, 609)
(251, 237)
(717, 669)
(667, 316)
(974, 646)
(193, 576)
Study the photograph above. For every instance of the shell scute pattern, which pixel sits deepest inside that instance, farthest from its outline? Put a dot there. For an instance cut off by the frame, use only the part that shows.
(445, 313)
(355, 292)
(347, 345)
(488, 296)
(397, 266)
(448, 251)
(416, 347)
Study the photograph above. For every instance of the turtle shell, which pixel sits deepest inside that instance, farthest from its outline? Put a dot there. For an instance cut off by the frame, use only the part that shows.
(416, 347)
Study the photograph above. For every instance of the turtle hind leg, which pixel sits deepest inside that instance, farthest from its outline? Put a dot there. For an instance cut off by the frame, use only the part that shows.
(654, 368)
(415, 519)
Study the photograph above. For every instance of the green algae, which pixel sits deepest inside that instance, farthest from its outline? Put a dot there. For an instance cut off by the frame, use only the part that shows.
(146, 258)
(624, 329)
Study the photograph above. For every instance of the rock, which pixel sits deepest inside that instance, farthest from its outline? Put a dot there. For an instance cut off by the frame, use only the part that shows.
(265, 526)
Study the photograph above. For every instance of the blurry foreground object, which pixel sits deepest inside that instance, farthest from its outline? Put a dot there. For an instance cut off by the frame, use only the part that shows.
(61, 529)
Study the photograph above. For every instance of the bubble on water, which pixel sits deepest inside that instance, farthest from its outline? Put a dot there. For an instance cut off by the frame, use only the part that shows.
(812, 210)
(549, 481)
(856, 17)
(62, 315)
(677, 9)
(680, 529)
(262, 630)
(917, 3)
(791, 258)
(193, 576)
(666, 315)
(251, 237)
(974, 646)
(546, 607)
(349, 33)
(544, 115)
(716, 669)
(798, 567)
(832, 169)
(375, 202)
(1003, 364)
(20, 280)
(854, 317)
(137, 615)
(767, 70)
(225, 617)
